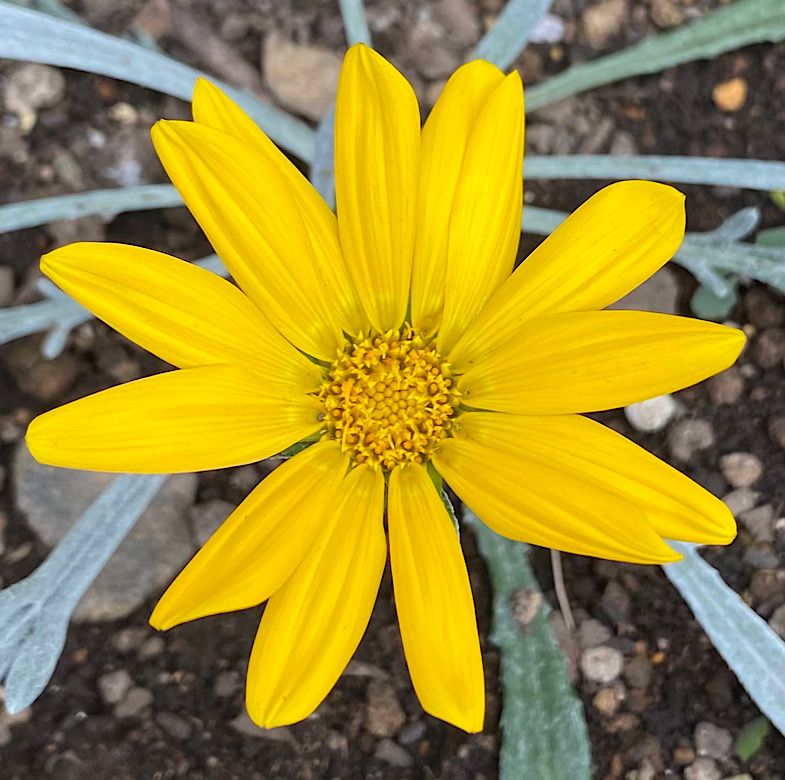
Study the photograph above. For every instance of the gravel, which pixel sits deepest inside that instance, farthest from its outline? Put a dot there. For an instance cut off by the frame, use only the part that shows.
(601, 664)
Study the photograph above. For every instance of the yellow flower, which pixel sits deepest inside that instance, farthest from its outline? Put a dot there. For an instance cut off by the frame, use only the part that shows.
(398, 339)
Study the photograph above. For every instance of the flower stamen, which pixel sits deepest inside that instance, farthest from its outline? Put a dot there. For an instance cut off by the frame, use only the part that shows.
(389, 399)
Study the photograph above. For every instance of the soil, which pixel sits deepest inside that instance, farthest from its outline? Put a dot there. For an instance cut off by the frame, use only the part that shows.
(187, 721)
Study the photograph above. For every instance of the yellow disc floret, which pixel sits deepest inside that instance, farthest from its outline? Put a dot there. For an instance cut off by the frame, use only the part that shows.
(389, 399)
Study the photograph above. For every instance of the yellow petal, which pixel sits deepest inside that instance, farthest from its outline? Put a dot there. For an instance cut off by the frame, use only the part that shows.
(188, 420)
(485, 223)
(279, 245)
(261, 543)
(579, 448)
(613, 242)
(178, 311)
(433, 598)
(377, 145)
(589, 361)
(537, 502)
(213, 108)
(313, 624)
(444, 141)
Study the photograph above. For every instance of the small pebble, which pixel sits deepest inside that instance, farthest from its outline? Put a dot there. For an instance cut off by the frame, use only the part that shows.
(726, 388)
(392, 753)
(777, 621)
(135, 703)
(760, 522)
(226, 683)
(762, 310)
(592, 633)
(770, 347)
(6, 285)
(702, 769)
(712, 740)
(607, 700)
(741, 469)
(412, 732)
(384, 715)
(207, 517)
(741, 500)
(777, 431)
(730, 95)
(615, 602)
(638, 671)
(688, 437)
(174, 725)
(651, 415)
(683, 755)
(152, 647)
(601, 664)
(114, 685)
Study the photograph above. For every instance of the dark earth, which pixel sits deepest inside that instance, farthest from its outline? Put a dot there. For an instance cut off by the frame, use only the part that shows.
(126, 702)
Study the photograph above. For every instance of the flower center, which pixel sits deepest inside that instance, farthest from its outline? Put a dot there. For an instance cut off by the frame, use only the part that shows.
(388, 399)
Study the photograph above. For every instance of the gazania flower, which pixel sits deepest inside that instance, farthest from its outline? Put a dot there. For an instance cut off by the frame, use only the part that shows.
(399, 341)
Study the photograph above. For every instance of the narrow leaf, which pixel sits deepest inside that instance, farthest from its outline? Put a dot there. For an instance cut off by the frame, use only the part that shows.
(755, 654)
(749, 174)
(354, 21)
(36, 37)
(727, 29)
(510, 32)
(543, 730)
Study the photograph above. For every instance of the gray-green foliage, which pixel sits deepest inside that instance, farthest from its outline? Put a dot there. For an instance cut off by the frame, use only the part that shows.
(543, 729)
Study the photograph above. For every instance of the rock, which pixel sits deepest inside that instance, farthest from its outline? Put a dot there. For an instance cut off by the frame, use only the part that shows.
(688, 437)
(607, 700)
(726, 388)
(601, 664)
(741, 469)
(148, 558)
(730, 95)
(623, 143)
(741, 500)
(174, 725)
(243, 724)
(702, 769)
(30, 87)
(303, 78)
(762, 310)
(712, 741)
(615, 602)
(136, 701)
(770, 347)
(47, 380)
(66, 231)
(226, 683)
(603, 21)
(683, 755)
(777, 621)
(8, 721)
(760, 522)
(126, 640)
(392, 753)
(430, 51)
(777, 431)
(412, 732)
(6, 285)
(458, 19)
(659, 293)
(549, 29)
(114, 686)
(592, 633)
(767, 583)
(206, 517)
(761, 556)
(651, 415)
(666, 13)
(152, 647)
(384, 715)
(638, 671)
